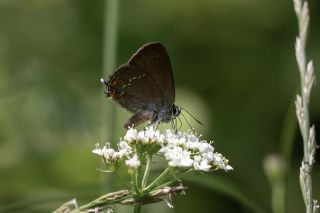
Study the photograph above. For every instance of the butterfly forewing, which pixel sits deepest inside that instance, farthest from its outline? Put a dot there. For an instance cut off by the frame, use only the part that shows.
(152, 59)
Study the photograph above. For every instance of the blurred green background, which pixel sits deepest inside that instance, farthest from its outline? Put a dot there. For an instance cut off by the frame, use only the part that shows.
(234, 68)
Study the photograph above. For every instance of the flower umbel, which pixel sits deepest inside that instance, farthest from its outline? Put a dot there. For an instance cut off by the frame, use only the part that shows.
(180, 150)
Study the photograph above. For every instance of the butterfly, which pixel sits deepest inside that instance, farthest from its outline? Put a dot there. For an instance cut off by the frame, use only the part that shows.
(145, 86)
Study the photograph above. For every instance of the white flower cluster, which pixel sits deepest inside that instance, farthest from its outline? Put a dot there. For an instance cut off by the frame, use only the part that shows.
(148, 136)
(188, 150)
(181, 150)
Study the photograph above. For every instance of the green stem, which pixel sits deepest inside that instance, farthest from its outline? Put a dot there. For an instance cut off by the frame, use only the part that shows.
(101, 202)
(109, 53)
(137, 209)
(109, 61)
(159, 178)
(135, 182)
(165, 184)
(138, 183)
(173, 180)
(147, 171)
(278, 197)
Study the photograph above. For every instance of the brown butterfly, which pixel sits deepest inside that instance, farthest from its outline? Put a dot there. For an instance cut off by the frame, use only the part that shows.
(145, 86)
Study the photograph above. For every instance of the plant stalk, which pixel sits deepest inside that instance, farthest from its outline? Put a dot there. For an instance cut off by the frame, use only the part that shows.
(146, 171)
(159, 178)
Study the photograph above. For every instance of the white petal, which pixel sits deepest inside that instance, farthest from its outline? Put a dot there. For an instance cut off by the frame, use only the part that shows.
(133, 162)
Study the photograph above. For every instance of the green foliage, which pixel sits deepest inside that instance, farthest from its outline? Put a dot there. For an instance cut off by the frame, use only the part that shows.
(236, 57)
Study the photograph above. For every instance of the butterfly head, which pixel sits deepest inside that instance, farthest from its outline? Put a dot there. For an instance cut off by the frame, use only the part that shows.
(110, 91)
(175, 111)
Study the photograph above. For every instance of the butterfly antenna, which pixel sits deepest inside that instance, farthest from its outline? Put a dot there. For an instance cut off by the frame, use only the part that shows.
(187, 122)
(180, 123)
(199, 122)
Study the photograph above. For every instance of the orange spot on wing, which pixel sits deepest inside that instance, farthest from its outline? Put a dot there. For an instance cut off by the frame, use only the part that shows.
(114, 82)
(112, 92)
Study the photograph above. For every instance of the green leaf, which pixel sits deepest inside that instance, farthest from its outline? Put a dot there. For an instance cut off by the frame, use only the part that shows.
(227, 188)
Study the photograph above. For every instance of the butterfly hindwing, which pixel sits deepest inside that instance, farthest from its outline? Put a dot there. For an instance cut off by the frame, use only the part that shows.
(134, 89)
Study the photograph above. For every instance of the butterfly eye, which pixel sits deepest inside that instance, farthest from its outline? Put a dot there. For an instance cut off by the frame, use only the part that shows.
(175, 110)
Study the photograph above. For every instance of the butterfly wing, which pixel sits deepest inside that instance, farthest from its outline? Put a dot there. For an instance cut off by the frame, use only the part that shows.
(134, 89)
(144, 85)
(153, 59)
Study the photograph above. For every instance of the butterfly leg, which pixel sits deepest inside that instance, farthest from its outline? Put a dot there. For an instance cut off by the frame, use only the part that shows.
(174, 125)
(155, 123)
(138, 118)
